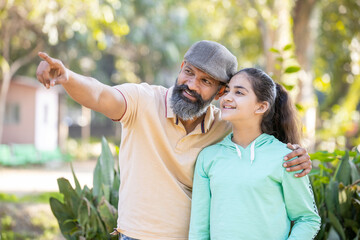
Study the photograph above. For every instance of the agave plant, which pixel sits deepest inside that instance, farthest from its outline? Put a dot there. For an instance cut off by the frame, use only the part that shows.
(337, 194)
(90, 213)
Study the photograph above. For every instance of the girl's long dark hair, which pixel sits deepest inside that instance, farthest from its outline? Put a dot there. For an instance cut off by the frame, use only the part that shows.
(281, 119)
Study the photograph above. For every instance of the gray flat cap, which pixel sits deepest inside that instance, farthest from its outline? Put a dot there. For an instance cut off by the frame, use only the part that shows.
(212, 58)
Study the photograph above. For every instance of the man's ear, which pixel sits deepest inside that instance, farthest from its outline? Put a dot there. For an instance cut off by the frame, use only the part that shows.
(220, 93)
(262, 107)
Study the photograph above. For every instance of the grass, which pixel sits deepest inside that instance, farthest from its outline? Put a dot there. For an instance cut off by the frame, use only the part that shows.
(18, 220)
(31, 198)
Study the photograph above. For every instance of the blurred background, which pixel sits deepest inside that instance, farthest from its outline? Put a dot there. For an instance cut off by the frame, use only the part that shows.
(145, 40)
(312, 47)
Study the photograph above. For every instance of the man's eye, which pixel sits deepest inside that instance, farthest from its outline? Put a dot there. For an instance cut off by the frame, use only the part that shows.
(207, 82)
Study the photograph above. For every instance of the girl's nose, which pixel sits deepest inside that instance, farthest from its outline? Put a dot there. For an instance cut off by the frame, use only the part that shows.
(227, 97)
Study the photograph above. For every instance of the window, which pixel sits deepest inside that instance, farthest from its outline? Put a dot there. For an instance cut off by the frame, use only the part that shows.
(46, 113)
(12, 113)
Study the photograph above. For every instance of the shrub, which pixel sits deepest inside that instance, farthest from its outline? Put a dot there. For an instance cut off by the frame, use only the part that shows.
(337, 193)
(90, 213)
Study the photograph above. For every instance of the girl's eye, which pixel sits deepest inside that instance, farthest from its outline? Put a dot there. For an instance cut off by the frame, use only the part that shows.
(238, 92)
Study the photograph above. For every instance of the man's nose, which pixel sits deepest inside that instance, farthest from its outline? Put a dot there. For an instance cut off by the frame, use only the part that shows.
(193, 84)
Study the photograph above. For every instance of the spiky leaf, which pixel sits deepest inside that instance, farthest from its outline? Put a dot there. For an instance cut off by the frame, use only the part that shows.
(108, 214)
(97, 180)
(114, 199)
(332, 196)
(71, 198)
(107, 163)
(77, 184)
(104, 170)
(63, 214)
(106, 190)
(343, 173)
(354, 172)
(336, 224)
(345, 201)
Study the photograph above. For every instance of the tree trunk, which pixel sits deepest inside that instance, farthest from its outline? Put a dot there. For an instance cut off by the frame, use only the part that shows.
(86, 127)
(301, 30)
(304, 53)
(268, 40)
(275, 35)
(3, 94)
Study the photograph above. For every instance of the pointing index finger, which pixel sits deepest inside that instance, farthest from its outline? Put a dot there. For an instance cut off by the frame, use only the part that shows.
(47, 58)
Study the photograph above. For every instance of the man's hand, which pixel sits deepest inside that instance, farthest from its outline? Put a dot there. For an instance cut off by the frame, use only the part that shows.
(51, 71)
(303, 161)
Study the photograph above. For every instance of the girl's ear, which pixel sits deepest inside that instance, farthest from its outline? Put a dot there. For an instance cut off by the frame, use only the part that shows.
(220, 93)
(262, 107)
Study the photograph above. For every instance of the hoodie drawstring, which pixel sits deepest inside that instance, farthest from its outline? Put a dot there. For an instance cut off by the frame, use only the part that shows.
(252, 156)
(252, 151)
(238, 150)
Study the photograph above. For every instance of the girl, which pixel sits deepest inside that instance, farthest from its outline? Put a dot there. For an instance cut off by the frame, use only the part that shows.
(240, 189)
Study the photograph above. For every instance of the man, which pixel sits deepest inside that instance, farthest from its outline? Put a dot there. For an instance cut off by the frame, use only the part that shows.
(163, 132)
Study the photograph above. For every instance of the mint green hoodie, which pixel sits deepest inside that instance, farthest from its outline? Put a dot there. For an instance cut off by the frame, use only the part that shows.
(246, 194)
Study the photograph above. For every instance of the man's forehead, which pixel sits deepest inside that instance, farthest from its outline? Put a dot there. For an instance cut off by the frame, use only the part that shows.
(206, 74)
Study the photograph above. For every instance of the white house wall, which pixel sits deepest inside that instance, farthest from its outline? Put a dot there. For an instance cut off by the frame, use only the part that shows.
(46, 119)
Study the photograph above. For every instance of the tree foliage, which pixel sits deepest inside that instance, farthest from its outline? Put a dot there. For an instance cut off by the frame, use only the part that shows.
(337, 71)
(144, 40)
(76, 28)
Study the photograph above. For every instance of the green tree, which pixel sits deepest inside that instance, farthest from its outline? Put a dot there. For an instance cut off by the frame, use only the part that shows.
(152, 51)
(21, 39)
(337, 72)
(30, 26)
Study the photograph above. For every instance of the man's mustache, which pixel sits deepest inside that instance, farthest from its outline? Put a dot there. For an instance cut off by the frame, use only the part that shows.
(192, 92)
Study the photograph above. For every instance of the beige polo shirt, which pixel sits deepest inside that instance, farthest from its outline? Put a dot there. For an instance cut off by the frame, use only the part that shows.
(157, 161)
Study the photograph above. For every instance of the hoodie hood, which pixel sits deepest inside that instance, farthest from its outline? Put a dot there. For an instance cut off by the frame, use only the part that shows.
(262, 140)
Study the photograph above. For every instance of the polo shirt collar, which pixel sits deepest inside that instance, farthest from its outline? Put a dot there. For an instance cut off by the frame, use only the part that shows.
(169, 112)
(209, 118)
(207, 122)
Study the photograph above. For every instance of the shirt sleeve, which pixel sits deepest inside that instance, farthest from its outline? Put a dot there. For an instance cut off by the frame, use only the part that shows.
(136, 99)
(200, 205)
(300, 206)
(130, 92)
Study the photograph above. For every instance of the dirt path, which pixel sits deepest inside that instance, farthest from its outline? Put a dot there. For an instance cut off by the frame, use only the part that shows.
(36, 179)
